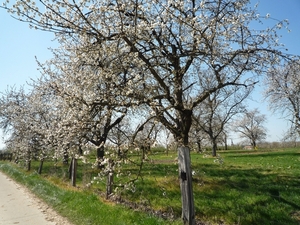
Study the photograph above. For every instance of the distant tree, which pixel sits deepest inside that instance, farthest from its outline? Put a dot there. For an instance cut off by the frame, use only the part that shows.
(24, 121)
(251, 127)
(166, 139)
(283, 93)
(198, 136)
(87, 102)
(120, 135)
(214, 113)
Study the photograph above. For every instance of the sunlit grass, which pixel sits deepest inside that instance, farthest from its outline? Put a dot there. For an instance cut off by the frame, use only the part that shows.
(80, 207)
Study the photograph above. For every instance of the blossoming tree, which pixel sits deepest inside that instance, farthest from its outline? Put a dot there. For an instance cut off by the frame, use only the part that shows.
(283, 92)
(215, 112)
(251, 127)
(157, 53)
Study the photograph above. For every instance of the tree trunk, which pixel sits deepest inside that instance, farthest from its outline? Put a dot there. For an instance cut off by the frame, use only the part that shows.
(80, 151)
(41, 166)
(70, 169)
(119, 151)
(253, 143)
(214, 148)
(185, 176)
(100, 156)
(74, 171)
(29, 165)
(199, 146)
(28, 160)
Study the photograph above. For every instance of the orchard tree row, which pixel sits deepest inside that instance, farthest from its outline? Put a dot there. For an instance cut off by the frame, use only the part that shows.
(125, 68)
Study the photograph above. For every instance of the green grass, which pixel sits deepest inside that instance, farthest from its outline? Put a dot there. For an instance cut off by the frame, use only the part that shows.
(80, 207)
(249, 187)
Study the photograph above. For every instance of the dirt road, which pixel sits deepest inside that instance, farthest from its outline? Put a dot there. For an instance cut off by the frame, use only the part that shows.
(19, 206)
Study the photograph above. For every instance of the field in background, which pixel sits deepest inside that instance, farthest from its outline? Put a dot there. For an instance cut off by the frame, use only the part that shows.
(237, 187)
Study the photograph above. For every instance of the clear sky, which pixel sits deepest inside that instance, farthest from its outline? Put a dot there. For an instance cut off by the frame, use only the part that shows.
(19, 45)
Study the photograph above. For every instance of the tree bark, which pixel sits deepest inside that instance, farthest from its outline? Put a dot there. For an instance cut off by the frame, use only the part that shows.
(74, 171)
(29, 165)
(199, 149)
(100, 156)
(214, 148)
(28, 160)
(253, 143)
(225, 142)
(110, 179)
(70, 170)
(41, 166)
(185, 176)
(80, 151)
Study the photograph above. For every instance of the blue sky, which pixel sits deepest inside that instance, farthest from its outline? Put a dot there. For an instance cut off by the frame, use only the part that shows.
(19, 45)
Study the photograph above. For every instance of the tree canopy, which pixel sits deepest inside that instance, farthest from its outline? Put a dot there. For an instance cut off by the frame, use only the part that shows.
(163, 50)
(251, 127)
(283, 92)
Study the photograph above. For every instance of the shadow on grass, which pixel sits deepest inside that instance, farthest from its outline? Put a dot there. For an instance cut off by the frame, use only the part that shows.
(254, 153)
(246, 196)
(230, 194)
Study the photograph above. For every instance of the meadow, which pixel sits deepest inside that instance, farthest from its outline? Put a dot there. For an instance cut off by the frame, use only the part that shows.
(237, 187)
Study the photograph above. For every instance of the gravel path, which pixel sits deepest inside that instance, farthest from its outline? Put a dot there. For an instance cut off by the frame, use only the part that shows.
(19, 206)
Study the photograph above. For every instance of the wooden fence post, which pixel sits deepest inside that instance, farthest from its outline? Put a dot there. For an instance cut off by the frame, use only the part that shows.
(185, 176)
(110, 178)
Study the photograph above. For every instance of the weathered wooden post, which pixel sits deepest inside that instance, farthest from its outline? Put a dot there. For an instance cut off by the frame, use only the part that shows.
(110, 178)
(185, 176)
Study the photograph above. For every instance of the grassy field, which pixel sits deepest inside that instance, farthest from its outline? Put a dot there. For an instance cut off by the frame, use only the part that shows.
(238, 187)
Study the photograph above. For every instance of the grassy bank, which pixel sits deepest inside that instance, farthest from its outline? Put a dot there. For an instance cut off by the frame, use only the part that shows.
(238, 187)
(80, 207)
